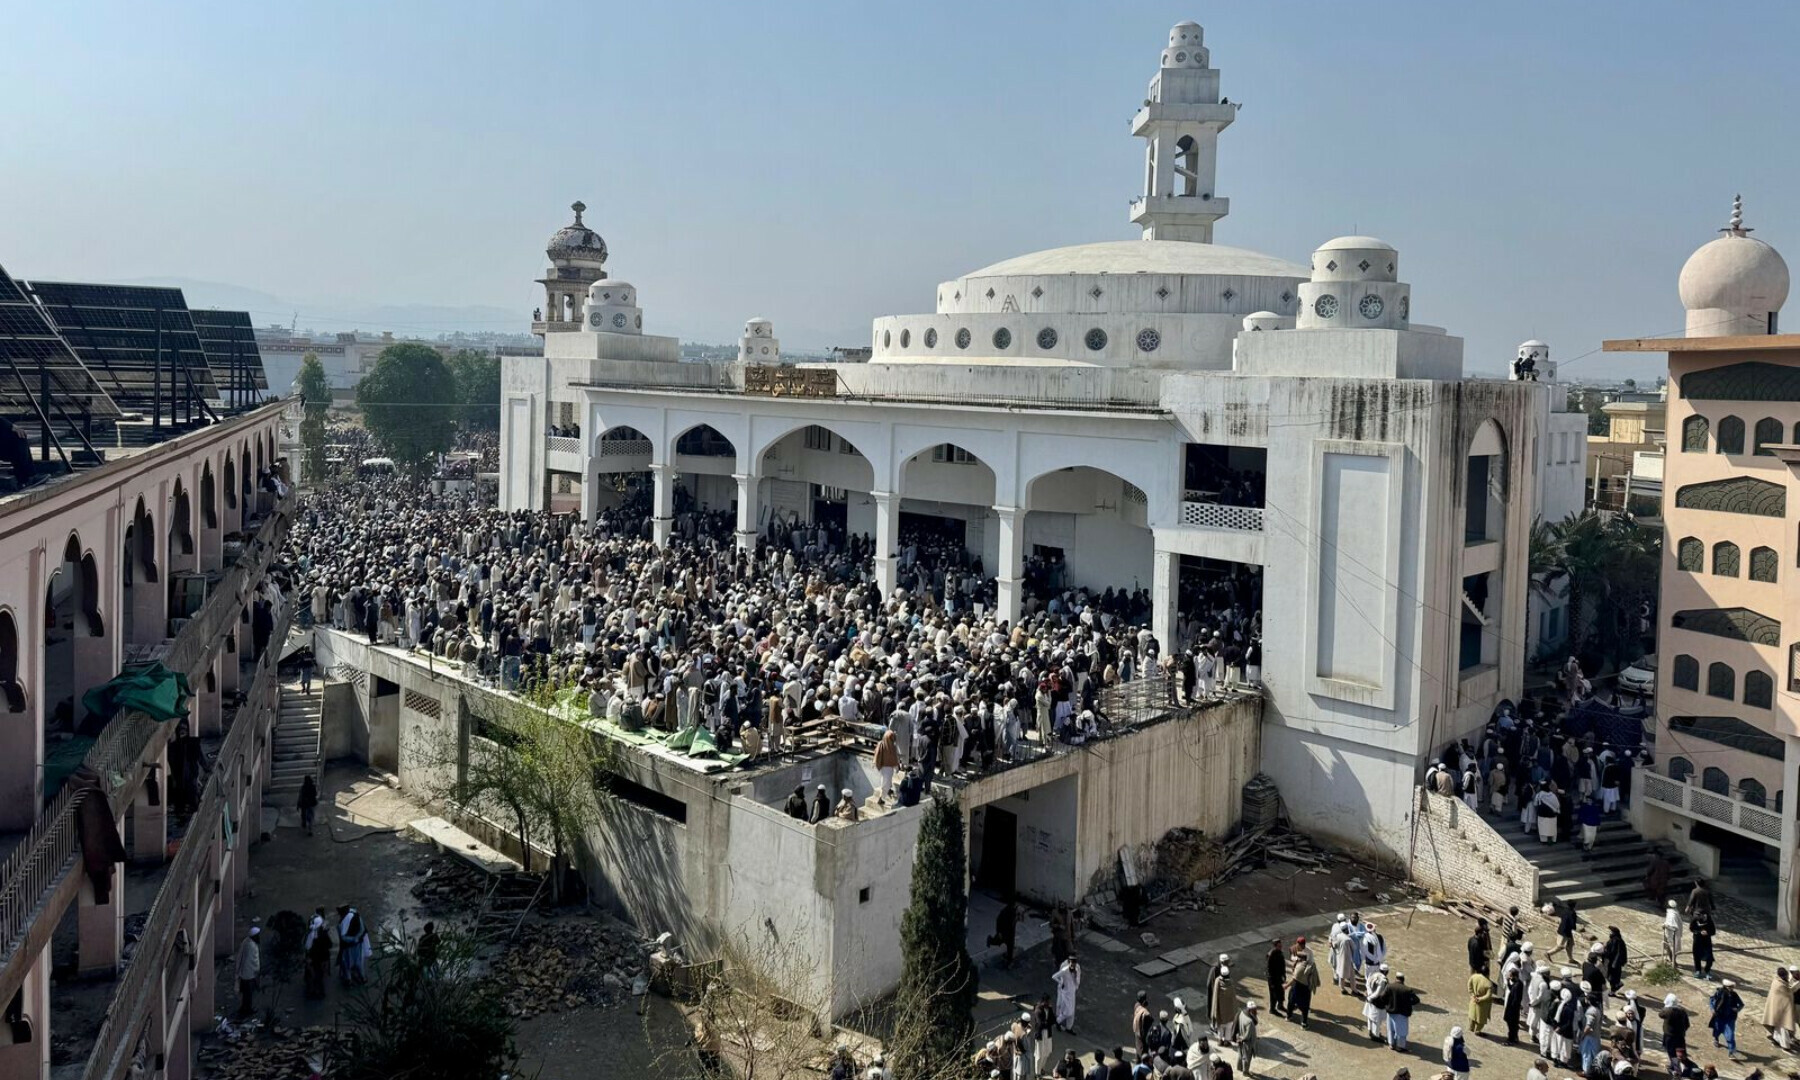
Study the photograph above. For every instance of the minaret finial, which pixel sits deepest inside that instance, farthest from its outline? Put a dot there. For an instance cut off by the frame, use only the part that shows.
(578, 206)
(1736, 228)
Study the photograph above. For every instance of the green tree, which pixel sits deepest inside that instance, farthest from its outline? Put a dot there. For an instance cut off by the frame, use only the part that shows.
(1610, 563)
(315, 396)
(478, 388)
(532, 766)
(410, 404)
(429, 1018)
(935, 1002)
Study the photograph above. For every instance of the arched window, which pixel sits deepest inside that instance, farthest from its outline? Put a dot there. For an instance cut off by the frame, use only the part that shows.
(12, 693)
(1763, 561)
(1753, 792)
(1759, 689)
(1693, 435)
(1690, 554)
(1687, 673)
(1713, 779)
(1768, 433)
(1731, 435)
(1187, 165)
(1721, 682)
(1725, 559)
(1680, 768)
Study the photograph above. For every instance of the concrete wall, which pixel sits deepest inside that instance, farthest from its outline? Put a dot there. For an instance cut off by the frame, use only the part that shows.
(1456, 852)
(345, 726)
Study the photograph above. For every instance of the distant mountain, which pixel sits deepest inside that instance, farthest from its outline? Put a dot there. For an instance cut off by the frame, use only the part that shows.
(421, 320)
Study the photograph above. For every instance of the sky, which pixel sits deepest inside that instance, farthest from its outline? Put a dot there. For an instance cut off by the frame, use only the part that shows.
(1543, 168)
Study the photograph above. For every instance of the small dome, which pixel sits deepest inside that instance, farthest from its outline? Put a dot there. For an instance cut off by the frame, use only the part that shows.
(1262, 320)
(1356, 243)
(1534, 343)
(576, 241)
(1737, 280)
(611, 291)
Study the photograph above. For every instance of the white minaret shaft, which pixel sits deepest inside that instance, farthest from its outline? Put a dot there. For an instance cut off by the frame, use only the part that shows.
(1180, 121)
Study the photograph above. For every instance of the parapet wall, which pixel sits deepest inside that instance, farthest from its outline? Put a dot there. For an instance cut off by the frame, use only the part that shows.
(1456, 852)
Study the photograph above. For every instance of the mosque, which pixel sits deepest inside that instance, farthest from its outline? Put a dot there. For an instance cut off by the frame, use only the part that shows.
(1091, 405)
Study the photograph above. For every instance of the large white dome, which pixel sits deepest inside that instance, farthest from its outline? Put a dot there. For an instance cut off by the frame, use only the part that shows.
(1144, 257)
(1735, 273)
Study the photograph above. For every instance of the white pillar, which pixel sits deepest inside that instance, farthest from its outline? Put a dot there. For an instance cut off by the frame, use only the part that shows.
(1165, 591)
(1787, 896)
(663, 513)
(887, 537)
(748, 511)
(1009, 575)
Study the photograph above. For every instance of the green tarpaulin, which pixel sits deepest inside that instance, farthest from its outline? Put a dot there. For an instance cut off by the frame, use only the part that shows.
(151, 689)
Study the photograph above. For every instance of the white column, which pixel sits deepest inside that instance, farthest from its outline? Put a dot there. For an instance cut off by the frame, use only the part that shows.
(1787, 896)
(1009, 575)
(1164, 597)
(590, 483)
(663, 513)
(748, 511)
(887, 537)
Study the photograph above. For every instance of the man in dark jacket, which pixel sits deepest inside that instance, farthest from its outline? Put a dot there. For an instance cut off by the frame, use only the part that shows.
(1481, 948)
(796, 803)
(821, 806)
(1613, 956)
(1277, 972)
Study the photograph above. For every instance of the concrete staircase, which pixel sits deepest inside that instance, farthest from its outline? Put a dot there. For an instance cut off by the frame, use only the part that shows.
(1614, 874)
(298, 729)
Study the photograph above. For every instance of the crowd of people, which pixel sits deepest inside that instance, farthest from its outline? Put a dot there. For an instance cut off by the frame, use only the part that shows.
(750, 644)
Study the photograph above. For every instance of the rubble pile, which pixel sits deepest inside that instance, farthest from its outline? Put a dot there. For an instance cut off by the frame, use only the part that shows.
(556, 964)
(450, 886)
(240, 1055)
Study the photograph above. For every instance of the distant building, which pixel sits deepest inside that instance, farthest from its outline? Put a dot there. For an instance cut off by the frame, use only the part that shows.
(347, 356)
(1626, 463)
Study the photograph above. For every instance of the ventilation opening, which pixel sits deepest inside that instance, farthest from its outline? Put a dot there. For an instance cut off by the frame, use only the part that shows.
(638, 795)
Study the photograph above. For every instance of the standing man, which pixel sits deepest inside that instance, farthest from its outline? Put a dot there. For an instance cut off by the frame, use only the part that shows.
(1141, 1019)
(1481, 1001)
(1402, 1000)
(1702, 927)
(1672, 935)
(1778, 1009)
(249, 967)
(1726, 1005)
(1565, 930)
(1277, 974)
(1067, 980)
(1302, 982)
(1246, 1036)
(309, 803)
(1481, 949)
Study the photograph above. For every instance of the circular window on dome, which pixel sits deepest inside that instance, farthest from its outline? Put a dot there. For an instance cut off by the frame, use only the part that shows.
(596, 319)
(905, 338)
(1405, 306)
(931, 339)
(765, 350)
(1096, 339)
(1003, 338)
(963, 338)
(1046, 338)
(1370, 306)
(1148, 340)
(887, 338)
(1325, 307)
(1181, 58)
(619, 320)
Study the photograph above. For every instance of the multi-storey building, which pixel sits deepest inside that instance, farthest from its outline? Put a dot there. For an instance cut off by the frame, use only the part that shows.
(1728, 693)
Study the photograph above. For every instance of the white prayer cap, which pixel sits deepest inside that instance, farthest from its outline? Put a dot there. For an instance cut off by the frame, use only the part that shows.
(1669, 1002)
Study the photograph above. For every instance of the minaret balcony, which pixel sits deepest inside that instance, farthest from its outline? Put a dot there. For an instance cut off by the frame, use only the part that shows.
(1216, 115)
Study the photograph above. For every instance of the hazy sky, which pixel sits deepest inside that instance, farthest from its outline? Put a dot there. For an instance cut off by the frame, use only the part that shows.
(1544, 168)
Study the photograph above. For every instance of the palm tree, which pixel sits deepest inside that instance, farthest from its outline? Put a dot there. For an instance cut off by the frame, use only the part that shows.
(1610, 563)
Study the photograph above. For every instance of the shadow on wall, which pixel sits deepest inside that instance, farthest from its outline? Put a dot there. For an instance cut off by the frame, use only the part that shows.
(634, 869)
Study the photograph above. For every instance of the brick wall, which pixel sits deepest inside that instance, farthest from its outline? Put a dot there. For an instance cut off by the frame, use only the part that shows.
(1457, 853)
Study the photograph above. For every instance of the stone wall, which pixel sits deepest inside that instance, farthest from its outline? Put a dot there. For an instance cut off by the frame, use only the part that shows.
(1456, 852)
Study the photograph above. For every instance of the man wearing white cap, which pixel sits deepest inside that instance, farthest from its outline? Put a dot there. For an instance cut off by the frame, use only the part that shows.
(249, 967)
(1672, 934)
(1726, 1004)
(1375, 1002)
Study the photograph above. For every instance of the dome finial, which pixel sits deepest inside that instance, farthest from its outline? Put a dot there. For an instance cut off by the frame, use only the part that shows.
(1736, 228)
(578, 206)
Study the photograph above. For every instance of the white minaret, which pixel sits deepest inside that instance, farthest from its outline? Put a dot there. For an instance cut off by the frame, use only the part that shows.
(759, 345)
(1181, 120)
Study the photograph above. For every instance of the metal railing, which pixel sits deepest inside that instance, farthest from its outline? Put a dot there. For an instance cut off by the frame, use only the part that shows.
(1726, 811)
(32, 872)
(139, 985)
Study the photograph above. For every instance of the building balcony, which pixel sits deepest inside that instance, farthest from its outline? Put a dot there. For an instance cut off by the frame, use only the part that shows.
(554, 326)
(1197, 512)
(1725, 811)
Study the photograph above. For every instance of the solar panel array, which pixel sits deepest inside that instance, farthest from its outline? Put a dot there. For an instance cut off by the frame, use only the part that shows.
(229, 339)
(34, 355)
(137, 340)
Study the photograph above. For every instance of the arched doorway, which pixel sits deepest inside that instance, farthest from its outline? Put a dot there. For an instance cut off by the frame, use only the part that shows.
(944, 543)
(74, 635)
(702, 464)
(233, 517)
(814, 479)
(145, 605)
(620, 478)
(1086, 530)
(212, 537)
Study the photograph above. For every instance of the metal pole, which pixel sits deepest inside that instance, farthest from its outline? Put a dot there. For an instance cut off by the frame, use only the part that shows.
(156, 379)
(44, 396)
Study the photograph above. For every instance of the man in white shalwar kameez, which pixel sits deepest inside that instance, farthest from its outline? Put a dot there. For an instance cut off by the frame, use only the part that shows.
(1067, 980)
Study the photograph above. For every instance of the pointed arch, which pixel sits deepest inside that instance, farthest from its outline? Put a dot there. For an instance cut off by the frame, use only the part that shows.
(12, 691)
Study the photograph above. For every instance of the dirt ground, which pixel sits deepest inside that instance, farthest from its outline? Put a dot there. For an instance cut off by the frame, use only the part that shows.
(361, 854)
(1426, 943)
